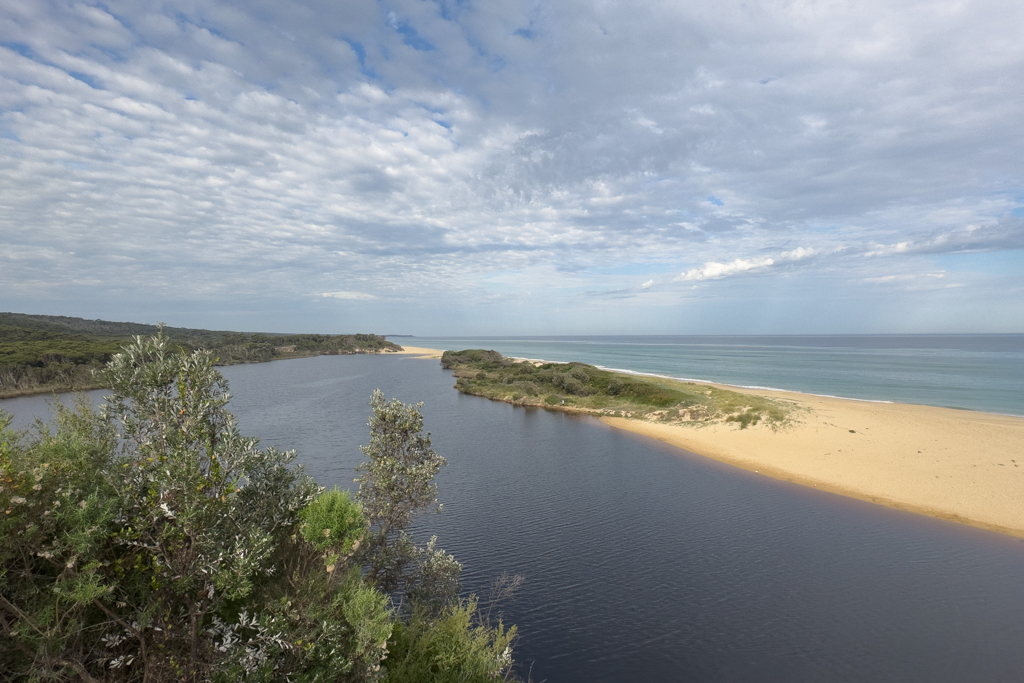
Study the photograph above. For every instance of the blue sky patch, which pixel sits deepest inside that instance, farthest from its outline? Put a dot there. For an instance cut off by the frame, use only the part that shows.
(410, 36)
(21, 48)
(85, 78)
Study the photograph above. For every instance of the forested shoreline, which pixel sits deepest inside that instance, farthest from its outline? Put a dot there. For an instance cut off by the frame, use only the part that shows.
(52, 354)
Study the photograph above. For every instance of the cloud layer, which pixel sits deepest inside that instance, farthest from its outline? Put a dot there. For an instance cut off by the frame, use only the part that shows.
(598, 167)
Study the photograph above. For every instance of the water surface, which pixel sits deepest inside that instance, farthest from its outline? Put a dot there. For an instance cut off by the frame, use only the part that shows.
(973, 371)
(644, 563)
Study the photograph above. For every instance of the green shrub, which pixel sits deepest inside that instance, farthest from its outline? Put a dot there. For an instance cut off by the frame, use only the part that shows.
(649, 394)
(580, 374)
(746, 418)
(333, 522)
(455, 647)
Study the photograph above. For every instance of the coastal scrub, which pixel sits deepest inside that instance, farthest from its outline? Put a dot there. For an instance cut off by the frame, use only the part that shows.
(151, 541)
(579, 387)
(44, 354)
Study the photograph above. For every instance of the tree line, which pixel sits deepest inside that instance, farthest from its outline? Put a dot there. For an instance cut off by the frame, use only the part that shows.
(40, 354)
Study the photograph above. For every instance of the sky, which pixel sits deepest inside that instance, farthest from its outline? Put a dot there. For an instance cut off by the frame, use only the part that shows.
(446, 167)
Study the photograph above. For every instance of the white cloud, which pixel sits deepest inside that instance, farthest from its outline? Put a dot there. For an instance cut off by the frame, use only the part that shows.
(889, 249)
(201, 151)
(713, 270)
(647, 284)
(353, 296)
(799, 254)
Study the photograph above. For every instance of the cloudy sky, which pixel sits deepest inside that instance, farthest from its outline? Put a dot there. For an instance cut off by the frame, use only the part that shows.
(515, 167)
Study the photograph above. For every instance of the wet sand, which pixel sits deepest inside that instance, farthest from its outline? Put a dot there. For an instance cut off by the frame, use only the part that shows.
(958, 465)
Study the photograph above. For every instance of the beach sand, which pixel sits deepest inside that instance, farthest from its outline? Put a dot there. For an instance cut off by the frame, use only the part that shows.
(419, 352)
(954, 464)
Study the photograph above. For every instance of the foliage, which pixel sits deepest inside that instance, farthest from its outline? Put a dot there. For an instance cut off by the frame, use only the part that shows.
(151, 541)
(57, 353)
(455, 646)
(395, 484)
(585, 388)
(333, 522)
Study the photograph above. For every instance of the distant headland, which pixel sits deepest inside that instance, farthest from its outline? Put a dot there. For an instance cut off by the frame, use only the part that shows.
(41, 354)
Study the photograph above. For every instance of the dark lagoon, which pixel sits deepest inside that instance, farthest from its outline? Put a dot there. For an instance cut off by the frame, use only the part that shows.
(645, 563)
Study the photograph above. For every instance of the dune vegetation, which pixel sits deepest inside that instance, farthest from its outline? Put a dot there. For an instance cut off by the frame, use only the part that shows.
(579, 387)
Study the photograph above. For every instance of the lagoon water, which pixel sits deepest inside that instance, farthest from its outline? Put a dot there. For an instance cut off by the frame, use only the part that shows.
(644, 563)
(973, 371)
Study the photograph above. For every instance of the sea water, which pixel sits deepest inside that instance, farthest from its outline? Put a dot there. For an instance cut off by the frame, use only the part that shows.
(975, 372)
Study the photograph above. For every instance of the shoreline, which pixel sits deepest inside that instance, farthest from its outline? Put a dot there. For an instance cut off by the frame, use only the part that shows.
(755, 389)
(418, 352)
(957, 465)
(65, 389)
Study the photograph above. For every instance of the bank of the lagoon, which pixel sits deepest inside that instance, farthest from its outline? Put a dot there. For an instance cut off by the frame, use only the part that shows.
(982, 372)
(964, 466)
(420, 352)
(644, 563)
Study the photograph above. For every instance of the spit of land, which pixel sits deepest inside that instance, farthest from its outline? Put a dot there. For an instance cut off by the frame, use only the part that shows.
(953, 464)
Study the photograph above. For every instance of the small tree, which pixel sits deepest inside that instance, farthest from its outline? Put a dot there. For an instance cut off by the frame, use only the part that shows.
(396, 484)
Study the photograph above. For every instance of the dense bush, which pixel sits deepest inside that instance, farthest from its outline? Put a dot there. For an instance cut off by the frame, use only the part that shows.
(454, 647)
(52, 352)
(151, 541)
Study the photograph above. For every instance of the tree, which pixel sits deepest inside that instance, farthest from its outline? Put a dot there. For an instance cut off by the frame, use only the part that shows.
(201, 508)
(397, 483)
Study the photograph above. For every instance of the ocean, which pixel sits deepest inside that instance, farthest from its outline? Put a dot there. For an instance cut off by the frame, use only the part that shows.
(974, 372)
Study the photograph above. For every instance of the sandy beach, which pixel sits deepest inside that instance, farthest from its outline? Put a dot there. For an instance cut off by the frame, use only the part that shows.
(959, 465)
(954, 464)
(419, 352)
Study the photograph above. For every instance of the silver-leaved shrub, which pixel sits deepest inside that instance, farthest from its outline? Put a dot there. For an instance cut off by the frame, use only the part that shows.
(150, 541)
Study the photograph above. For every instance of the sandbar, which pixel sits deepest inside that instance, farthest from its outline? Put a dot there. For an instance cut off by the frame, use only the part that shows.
(958, 465)
(419, 352)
